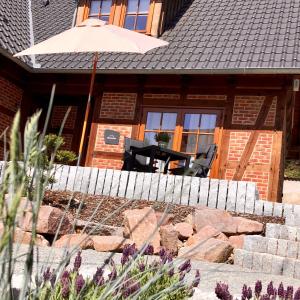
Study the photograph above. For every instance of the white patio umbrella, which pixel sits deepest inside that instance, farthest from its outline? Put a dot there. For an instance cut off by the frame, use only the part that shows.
(94, 36)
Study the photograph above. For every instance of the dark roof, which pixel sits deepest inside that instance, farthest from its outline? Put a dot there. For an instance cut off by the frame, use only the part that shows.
(14, 26)
(207, 36)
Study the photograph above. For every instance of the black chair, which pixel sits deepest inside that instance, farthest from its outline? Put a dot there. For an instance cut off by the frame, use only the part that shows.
(140, 162)
(201, 165)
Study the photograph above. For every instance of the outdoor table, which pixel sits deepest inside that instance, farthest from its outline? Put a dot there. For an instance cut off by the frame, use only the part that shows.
(160, 153)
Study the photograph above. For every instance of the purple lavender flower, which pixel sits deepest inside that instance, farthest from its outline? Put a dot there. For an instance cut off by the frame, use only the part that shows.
(113, 275)
(270, 289)
(65, 283)
(249, 293)
(181, 276)
(281, 290)
(297, 295)
(244, 292)
(133, 250)
(196, 280)
(53, 279)
(258, 288)
(130, 287)
(79, 283)
(185, 267)
(97, 276)
(222, 292)
(289, 293)
(171, 272)
(47, 274)
(142, 267)
(124, 259)
(77, 262)
(65, 275)
(149, 250)
(162, 254)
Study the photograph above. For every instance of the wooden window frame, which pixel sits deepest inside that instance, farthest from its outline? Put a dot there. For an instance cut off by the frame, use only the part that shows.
(121, 21)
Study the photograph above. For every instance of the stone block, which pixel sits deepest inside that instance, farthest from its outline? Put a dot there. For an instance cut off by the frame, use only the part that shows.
(239, 257)
(292, 249)
(272, 246)
(282, 248)
(288, 267)
(255, 243)
(257, 261)
(273, 230)
(267, 263)
(248, 260)
(297, 269)
(277, 265)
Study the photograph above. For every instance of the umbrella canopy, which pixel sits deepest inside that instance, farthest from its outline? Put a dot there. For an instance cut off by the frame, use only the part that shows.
(95, 36)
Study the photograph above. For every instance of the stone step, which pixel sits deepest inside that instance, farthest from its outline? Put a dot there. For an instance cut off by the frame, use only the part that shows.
(279, 247)
(267, 263)
(293, 219)
(284, 232)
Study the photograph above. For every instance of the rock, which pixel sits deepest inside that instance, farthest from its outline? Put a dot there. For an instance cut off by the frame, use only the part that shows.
(99, 229)
(23, 237)
(248, 226)
(219, 219)
(169, 238)
(164, 219)
(73, 240)
(223, 221)
(48, 221)
(141, 225)
(109, 243)
(185, 230)
(204, 234)
(237, 241)
(212, 250)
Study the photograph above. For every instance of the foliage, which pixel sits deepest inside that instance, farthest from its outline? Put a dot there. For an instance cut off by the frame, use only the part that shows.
(222, 292)
(292, 169)
(134, 278)
(162, 137)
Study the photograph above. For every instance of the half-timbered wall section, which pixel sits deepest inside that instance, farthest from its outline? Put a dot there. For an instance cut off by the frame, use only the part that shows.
(244, 116)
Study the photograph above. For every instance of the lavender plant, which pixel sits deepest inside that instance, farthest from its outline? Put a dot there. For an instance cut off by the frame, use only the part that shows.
(135, 271)
(222, 292)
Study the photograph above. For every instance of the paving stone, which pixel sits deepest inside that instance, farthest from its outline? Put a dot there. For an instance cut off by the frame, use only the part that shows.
(288, 267)
(277, 265)
(255, 243)
(288, 233)
(292, 249)
(282, 248)
(272, 246)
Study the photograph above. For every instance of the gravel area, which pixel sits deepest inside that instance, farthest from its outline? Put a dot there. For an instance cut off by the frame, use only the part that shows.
(210, 273)
(103, 206)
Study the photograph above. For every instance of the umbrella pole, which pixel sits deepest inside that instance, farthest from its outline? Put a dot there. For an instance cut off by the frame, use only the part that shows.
(88, 106)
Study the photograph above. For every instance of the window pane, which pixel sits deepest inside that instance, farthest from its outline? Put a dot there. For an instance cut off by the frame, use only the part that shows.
(191, 122)
(132, 6)
(208, 123)
(149, 138)
(144, 6)
(153, 120)
(106, 5)
(141, 23)
(169, 121)
(104, 18)
(95, 7)
(129, 22)
(188, 143)
(205, 140)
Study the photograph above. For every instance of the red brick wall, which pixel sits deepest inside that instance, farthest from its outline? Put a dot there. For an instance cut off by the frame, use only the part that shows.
(119, 106)
(245, 112)
(58, 115)
(10, 101)
(246, 109)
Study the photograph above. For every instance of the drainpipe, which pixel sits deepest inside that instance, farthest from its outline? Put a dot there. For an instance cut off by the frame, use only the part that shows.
(32, 57)
(75, 14)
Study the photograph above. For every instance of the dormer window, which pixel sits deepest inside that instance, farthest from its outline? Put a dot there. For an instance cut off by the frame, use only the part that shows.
(100, 9)
(136, 15)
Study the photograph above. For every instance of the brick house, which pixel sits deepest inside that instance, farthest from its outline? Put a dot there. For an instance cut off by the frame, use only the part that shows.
(229, 76)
